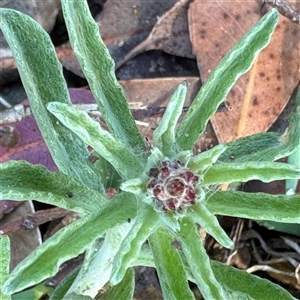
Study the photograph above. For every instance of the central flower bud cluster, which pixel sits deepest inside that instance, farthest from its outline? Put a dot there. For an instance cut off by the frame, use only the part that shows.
(172, 185)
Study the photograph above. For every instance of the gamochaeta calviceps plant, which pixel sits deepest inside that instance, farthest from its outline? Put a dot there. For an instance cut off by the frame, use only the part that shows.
(164, 192)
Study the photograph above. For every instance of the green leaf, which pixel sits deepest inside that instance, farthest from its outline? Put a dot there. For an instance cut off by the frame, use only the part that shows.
(235, 281)
(4, 263)
(21, 181)
(235, 63)
(202, 216)
(109, 176)
(198, 261)
(203, 161)
(146, 222)
(254, 286)
(37, 292)
(124, 290)
(257, 206)
(64, 285)
(74, 296)
(264, 171)
(282, 227)
(171, 273)
(98, 67)
(266, 146)
(294, 158)
(42, 77)
(164, 134)
(121, 157)
(97, 265)
(44, 262)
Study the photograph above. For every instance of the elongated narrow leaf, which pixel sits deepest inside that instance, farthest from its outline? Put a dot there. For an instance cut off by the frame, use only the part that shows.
(97, 265)
(39, 291)
(171, 273)
(98, 68)
(145, 224)
(4, 263)
(120, 156)
(233, 279)
(22, 181)
(42, 77)
(44, 262)
(264, 171)
(235, 63)
(198, 261)
(201, 162)
(202, 216)
(268, 146)
(164, 134)
(257, 206)
(64, 285)
(251, 285)
(124, 290)
(294, 158)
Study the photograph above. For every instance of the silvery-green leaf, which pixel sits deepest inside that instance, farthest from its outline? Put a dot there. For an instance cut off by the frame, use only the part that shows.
(257, 206)
(235, 63)
(76, 237)
(42, 77)
(164, 134)
(121, 157)
(21, 181)
(98, 67)
(169, 266)
(264, 171)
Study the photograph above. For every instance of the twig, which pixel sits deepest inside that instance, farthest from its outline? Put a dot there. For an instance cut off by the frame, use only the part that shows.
(286, 9)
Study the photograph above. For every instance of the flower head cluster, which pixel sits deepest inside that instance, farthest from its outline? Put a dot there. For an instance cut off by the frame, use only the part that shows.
(172, 185)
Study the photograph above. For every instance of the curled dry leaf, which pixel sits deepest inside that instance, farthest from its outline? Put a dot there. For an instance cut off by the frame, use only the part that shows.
(259, 96)
(124, 24)
(170, 34)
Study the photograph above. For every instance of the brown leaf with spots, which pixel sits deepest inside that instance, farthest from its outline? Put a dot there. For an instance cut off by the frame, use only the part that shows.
(259, 96)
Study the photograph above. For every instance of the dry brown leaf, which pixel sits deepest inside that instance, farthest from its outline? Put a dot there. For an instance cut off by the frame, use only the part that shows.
(155, 94)
(170, 34)
(124, 24)
(259, 96)
(23, 242)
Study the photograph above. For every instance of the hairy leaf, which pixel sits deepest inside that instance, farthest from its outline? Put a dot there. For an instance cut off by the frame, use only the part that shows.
(44, 262)
(171, 273)
(203, 161)
(235, 63)
(266, 146)
(4, 263)
(164, 134)
(64, 285)
(264, 171)
(90, 131)
(254, 286)
(97, 265)
(43, 80)
(146, 222)
(22, 181)
(124, 290)
(257, 206)
(198, 261)
(98, 67)
(202, 216)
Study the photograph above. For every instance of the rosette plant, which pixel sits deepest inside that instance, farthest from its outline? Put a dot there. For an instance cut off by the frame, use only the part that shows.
(164, 191)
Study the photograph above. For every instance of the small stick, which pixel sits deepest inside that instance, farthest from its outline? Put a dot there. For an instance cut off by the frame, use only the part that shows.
(286, 9)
